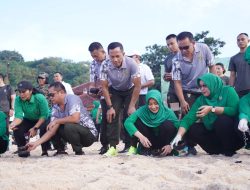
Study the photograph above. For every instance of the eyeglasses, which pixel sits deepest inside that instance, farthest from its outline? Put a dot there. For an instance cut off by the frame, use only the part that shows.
(184, 47)
(203, 86)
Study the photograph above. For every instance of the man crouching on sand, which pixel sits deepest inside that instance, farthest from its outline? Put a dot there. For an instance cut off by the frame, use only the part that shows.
(70, 122)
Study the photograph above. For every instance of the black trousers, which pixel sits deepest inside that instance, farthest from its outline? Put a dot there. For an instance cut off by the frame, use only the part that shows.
(103, 128)
(142, 100)
(23, 129)
(3, 145)
(159, 136)
(222, 139)
(120, 101)
(75, 134)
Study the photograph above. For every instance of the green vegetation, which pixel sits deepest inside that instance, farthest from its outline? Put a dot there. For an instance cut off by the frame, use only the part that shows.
(18, 69)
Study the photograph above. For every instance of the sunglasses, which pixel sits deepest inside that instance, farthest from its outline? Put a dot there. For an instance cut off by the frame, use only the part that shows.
(184, 47)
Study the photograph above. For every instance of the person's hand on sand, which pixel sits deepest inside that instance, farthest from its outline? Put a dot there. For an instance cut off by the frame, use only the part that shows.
(145, 142)
(166, 150)
(243, 125)
(31, 146)
(176, 140)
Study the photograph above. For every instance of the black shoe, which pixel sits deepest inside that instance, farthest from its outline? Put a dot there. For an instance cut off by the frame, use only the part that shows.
(60, 152)
(125, 149)
(104, 149)
(192, 151)
(141, 150)
(44, 153)
(79, 153)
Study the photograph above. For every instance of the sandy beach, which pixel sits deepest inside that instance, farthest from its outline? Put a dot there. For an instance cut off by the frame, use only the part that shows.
(93, 171)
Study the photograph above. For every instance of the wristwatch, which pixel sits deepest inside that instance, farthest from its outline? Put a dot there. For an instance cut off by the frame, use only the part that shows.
(213, 109)
(109, 107)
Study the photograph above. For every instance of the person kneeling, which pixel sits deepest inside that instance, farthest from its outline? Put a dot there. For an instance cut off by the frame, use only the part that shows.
(70, 122)
(217, 108)
(154, 125)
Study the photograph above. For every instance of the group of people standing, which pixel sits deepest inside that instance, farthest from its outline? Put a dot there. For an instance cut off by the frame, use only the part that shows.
(202, 108)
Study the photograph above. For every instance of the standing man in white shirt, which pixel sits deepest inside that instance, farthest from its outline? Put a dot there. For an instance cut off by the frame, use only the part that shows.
(147, 77)
(58, 77)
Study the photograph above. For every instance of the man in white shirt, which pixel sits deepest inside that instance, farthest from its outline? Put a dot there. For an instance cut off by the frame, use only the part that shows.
(58, 77)
(147, 77)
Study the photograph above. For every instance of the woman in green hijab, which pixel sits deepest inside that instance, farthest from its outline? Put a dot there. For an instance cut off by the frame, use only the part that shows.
(244, 116)
(217, 108)
(153, 124)
(4, 138)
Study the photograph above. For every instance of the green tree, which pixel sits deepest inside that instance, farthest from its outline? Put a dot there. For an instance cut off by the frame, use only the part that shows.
(7, 55)
(214, 44)
(154, 57)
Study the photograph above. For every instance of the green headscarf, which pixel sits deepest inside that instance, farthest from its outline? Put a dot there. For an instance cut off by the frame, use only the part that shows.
(217, 95)
(247, 55)
(151, 119)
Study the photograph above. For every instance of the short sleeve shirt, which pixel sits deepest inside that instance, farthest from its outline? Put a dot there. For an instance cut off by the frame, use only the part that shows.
(34, 109)
(188, 72)
(120, 78)
(146, 75)
(74, 104)
(242, 68)
(94, 73)
(5, 92)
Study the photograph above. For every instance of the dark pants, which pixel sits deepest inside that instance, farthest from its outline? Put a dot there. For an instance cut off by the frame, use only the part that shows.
(3, 145)
(173, 103)
(103, 131)
(222, 139)
(120, 100)
(142, 100)
(75, 134)
(159, 136)
(243, 93)
(23, 129)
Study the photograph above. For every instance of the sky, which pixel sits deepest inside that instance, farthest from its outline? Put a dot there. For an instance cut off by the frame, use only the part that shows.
(65, 28)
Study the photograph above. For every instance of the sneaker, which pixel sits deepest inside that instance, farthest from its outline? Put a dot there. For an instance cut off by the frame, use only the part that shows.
(132, 151)
(111, 152)
(60, 152)
(104, 149)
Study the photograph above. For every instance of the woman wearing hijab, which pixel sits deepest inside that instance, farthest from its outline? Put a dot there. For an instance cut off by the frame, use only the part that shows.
(244, 116)
(31, 114)
(4, 138)
(153, 124)
(217, 108)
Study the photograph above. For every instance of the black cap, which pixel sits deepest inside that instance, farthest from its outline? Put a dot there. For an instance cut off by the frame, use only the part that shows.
(24, 85)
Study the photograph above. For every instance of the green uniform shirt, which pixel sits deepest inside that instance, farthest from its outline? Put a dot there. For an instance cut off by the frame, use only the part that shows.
(244, 107)
(34, 109)
(3, 134)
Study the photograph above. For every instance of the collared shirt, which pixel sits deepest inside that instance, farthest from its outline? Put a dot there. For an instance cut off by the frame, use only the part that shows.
(95, 68)
(68, 87)
(187, 71)
(120, 78)
(74, 104)
(146, 75)
(34, 109)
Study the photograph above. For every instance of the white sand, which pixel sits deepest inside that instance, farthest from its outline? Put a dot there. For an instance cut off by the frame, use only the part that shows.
(92, 171)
